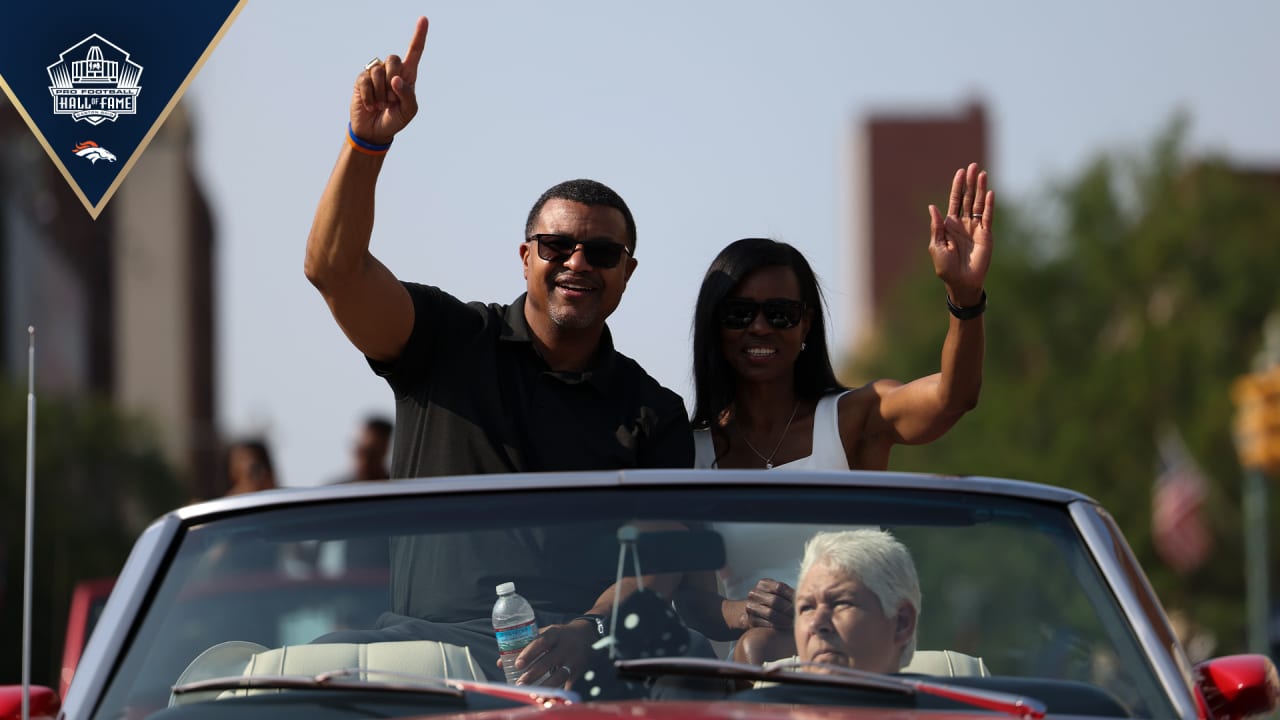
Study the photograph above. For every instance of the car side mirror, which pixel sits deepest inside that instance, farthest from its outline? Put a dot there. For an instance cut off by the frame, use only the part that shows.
(1239, 686)
(44, 704)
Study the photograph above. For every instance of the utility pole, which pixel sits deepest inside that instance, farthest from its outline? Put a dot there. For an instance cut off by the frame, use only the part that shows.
(1257, 436)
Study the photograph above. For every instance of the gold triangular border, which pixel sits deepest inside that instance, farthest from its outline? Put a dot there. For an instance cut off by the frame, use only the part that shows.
(95, 210)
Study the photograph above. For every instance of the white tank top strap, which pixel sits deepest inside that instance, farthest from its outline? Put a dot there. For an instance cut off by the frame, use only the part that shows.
(828, 451)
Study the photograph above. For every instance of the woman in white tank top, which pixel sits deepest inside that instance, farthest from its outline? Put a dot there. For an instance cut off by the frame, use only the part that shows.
(766, 396)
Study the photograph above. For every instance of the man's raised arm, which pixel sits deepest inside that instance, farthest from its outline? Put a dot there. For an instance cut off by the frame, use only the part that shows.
(369, 303)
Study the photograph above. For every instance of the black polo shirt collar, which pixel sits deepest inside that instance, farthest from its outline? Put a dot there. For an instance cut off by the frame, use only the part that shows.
(601, 372)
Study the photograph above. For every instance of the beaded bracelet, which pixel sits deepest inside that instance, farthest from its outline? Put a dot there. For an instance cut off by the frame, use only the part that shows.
(364, 146)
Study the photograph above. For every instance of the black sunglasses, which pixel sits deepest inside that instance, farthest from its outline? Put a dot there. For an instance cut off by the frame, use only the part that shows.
(781, 313)
(604, 254)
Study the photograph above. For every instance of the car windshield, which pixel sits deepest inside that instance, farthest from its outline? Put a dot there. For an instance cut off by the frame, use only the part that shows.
(1010, 590)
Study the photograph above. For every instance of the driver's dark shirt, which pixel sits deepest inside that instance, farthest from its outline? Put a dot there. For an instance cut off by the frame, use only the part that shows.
(473, 396)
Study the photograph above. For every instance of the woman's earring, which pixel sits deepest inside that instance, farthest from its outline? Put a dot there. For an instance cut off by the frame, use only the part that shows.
(803, 345)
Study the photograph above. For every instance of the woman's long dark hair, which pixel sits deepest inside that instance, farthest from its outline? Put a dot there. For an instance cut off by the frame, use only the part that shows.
(714, 383)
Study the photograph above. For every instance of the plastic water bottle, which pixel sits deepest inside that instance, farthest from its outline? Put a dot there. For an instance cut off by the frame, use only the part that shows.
(515, 626)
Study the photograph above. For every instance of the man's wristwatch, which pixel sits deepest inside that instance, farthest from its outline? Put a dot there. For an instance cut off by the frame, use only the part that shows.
(968, 313)
(597, 622)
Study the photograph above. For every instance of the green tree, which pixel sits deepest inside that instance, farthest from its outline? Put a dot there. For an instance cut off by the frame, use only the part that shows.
(99, 480)
(1124, 302)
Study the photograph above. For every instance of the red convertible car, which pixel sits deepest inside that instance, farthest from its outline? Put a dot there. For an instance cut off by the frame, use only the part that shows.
(373, 600)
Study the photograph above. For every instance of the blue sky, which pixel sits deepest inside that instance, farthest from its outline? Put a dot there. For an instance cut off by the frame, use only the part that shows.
(714, 119)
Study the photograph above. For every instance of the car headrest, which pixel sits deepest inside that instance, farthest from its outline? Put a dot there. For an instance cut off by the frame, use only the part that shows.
(946, 663)
(939, 663)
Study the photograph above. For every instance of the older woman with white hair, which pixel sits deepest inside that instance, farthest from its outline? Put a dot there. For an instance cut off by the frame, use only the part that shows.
(857, 601)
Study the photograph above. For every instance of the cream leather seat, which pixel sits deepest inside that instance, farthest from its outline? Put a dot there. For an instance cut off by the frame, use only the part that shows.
(946, 663)
(416, 657)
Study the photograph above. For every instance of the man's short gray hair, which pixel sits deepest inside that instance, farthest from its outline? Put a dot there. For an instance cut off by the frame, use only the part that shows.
(879, 561)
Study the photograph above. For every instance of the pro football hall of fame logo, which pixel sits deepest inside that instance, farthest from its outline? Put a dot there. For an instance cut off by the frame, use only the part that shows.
(94, 81)
(73, 70)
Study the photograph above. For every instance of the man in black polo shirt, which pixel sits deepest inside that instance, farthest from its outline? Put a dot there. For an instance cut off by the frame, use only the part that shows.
(531, 386)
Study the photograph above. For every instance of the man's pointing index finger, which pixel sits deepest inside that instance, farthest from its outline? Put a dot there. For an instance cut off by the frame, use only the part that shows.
(414, 54)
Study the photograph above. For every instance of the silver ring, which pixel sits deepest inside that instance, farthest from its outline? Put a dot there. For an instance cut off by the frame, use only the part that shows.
(567, 670)
(976, 215)
(373, 63)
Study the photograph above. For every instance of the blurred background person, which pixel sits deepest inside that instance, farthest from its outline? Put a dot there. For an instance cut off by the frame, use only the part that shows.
(248, 468)
(370, 452)
(369, 456)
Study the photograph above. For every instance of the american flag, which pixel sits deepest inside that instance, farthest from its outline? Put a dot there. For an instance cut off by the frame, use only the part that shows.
(1178, 527)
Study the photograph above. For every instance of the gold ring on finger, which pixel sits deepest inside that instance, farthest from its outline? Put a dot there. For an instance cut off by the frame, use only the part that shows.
(373, 63)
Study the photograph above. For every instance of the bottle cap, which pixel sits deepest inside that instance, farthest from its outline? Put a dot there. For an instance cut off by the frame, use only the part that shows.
(505, 588)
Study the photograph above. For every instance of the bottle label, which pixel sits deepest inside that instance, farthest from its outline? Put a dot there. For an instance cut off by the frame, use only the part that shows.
(514, 638)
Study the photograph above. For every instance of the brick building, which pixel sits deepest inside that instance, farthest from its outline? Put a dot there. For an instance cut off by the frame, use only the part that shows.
(900, 163)
(123, 306)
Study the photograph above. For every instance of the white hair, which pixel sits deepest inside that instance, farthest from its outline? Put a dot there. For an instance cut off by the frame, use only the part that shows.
(880, 563)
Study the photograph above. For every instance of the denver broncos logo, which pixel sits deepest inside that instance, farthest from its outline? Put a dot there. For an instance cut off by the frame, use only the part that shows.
(94, 152)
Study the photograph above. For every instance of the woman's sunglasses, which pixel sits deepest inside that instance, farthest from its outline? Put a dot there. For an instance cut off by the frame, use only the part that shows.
(738, 313)
(604, 254)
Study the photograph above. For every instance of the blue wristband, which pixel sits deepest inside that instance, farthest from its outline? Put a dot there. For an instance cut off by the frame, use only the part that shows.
(364, 145)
